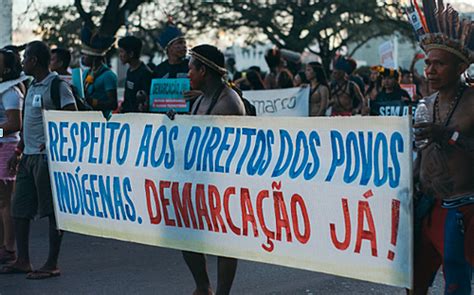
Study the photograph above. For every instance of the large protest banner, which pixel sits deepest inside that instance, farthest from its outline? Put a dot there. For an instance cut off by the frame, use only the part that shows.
(290, 102)
(323, 194)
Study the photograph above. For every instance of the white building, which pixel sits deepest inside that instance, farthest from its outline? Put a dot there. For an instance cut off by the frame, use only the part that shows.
(5, 22)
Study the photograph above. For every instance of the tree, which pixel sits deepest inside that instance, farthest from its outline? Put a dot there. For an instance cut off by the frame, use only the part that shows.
(321, 26)
(61, 25)
(113, 17)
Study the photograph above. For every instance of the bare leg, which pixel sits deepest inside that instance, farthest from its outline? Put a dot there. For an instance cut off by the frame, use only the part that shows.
(55, 238)
(197, 265)
(226, 268)
(8, 237)
(22, 233)
(2, 231)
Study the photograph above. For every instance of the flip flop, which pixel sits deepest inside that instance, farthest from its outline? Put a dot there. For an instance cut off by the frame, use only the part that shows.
(10, 269)
(41, 274)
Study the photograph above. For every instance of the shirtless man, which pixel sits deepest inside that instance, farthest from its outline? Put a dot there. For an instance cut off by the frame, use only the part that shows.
(319, 93)
(446, 172)
(346, 97)
(206, 71)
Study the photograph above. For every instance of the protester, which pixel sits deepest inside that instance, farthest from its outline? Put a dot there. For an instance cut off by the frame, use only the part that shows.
(231, 69)
(11, 101)
(100, 83)
(60, 60)
(33, 189)
(391, 90)
(16, 50)
(407, 78)
(206, 71)
(255, 80)
(300, 79)
(422, 84)
(319, 91)
(284, 79)
(174, 44)
(251, 80)
(353, 76)
(138, 81)
(375, 83)
(276, 65)
(346, 97)
(445, 167)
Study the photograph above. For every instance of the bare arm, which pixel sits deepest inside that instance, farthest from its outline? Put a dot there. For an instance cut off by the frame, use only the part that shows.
(13, 123)
(324, 96)
(229, 104)
(360, 99)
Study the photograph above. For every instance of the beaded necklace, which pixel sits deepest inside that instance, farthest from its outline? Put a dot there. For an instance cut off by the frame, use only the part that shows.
(452, 107)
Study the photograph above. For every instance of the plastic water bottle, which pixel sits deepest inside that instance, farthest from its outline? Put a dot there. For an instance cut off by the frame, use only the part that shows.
(422, 115)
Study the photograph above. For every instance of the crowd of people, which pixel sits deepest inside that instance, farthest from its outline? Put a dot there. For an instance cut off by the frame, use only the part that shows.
(443, 172)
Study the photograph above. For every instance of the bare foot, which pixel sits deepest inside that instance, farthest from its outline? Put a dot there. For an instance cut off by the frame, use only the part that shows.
(15, 268)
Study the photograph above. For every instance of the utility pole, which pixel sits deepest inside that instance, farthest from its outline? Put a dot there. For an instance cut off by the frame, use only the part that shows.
(5, 22)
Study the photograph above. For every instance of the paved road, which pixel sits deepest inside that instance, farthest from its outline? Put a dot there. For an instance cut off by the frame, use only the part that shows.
(101, 266)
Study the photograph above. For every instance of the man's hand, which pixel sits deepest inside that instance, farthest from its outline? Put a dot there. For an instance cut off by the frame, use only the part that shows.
(365, 111)
(142, 101)
(432, 132)
(171, 114)
(141, 96)
(13, 164)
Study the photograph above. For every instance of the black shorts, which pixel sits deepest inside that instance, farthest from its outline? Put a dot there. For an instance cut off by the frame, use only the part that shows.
(33, 188)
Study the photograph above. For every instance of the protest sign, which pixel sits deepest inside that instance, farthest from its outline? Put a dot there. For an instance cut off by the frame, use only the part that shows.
(166, 94)
(410, 88)
(323, 194)
(78, 82)
(290, 102)
(387, 55)
(391, 108)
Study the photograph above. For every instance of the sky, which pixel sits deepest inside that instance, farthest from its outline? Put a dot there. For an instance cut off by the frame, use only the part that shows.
(22, 25)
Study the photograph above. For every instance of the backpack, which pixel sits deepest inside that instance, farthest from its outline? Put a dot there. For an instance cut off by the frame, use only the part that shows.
(81, 104)
(250, 109)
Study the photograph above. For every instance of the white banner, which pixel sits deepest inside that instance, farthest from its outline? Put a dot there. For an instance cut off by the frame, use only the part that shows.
(324, 194)
(289, 102)
(387, 55)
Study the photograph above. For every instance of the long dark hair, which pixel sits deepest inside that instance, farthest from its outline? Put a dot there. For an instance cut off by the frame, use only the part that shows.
(255, 80)
(319, 73)
(11, 60)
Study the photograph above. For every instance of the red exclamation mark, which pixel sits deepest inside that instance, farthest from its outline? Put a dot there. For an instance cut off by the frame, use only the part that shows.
(395, 222)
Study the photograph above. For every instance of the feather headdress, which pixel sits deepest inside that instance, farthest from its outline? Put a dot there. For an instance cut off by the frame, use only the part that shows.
(94, 44)
(438, 26)
(170, 34)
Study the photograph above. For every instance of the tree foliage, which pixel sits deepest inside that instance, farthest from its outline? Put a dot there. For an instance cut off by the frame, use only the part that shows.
(61, 25)
(321, 26)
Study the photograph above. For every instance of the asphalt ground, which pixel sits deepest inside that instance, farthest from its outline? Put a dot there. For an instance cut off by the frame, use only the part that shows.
(91, 265)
